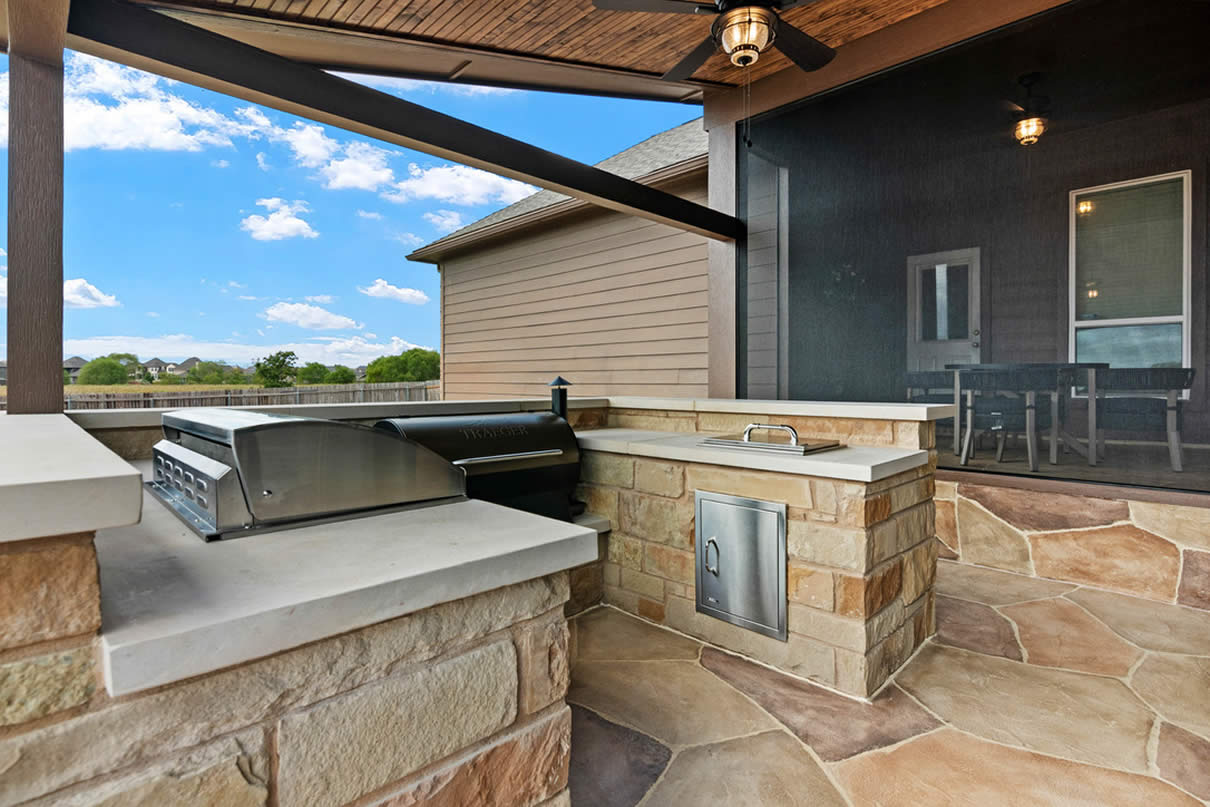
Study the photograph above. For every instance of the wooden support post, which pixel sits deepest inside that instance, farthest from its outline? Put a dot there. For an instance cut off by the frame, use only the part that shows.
(36, 30)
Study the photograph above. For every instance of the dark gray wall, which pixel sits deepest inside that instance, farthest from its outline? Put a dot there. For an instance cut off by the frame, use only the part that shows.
(922, 160)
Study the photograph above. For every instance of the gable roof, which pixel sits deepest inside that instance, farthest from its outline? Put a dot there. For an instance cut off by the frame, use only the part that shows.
(675, 147)
(74, 363)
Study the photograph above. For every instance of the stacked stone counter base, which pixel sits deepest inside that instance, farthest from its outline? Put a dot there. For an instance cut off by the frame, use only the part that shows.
(456, 704)
(861, 561)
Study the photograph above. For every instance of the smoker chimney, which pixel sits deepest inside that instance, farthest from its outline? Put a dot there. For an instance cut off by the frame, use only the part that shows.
(558, 396)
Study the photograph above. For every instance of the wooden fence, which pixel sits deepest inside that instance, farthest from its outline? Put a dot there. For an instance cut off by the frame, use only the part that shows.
(326, 394)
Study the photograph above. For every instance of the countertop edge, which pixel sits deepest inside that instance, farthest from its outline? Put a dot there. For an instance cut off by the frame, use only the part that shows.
(142, 664)
(829, 409)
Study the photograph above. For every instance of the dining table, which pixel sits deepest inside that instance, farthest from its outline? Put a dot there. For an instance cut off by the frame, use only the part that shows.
(1066, 374)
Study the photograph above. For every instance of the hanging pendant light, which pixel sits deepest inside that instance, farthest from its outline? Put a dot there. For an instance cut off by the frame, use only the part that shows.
(1030, 130)
(745, 32)
(1032, 123)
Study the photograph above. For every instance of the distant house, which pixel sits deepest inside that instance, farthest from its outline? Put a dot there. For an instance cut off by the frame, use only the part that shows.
(3, 372)
(185, 366)
(643, 285)
(155, 367)
(361, 373)
(72, 367)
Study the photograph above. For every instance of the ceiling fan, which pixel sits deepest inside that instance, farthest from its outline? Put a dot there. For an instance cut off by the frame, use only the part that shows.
(742, 29)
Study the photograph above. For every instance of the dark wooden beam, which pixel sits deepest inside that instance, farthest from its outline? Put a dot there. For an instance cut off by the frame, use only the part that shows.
(35, 205)
(117, 30)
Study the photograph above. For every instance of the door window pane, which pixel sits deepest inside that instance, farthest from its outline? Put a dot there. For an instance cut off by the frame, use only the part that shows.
(1131, 345)
(945, 302)
(1130, 251)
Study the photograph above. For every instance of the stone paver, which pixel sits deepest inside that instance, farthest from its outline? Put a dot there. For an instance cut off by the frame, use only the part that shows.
(835, 726)
(1068, 727)
(990, 541)
(1194, 589)
(1082, 717)
(1184, 760)
(1034, 511)
(611, 765)
(993, 587)
(608, 634)
(1121, 558)
(676, 702)
(768, 769)
(950, 769)
(1178, 687)
(973, 626)
(1058, 633)
(1150, 625)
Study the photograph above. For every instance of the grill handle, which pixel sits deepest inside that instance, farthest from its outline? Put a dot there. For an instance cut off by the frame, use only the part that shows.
(519, 455)
(754, 426)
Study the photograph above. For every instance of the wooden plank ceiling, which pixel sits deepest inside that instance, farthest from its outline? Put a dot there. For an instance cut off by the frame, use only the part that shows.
(564, 31)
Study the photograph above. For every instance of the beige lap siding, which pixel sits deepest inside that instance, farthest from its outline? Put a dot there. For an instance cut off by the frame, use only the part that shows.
(615, 303)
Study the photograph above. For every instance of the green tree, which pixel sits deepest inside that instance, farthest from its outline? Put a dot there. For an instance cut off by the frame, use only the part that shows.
(206, 372)
(340, 375)
(277, 370)
(312, 373)
(168, 379)
(416, 364)
(103, 371)
(66, 377)
(422, 365)
(235, 375)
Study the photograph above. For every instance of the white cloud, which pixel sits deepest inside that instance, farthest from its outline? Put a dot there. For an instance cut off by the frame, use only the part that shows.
(409, 85)
(309, 316)
(363, 167)
(381, 288)
(320, 298)
(236, 284)
(445, 221)
(79, 293)
(409, 239)
(283, 221)
(367, 214)
(220, 163)
(457, 184)
(312, 148)
(262, 162)
(351, 351)
(248, 297)
(155, 314)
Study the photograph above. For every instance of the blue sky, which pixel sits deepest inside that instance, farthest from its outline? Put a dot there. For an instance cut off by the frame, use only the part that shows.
(198, 224)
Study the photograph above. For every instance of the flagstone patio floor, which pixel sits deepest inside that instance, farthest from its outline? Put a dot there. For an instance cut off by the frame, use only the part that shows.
(1032, 693)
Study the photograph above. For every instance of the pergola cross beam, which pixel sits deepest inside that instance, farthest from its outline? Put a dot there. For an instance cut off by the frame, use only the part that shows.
(154, 41)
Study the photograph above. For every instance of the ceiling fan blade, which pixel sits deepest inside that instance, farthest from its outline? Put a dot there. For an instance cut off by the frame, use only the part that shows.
(786, 5)
(660, 6)
(804, 50)
(687, 66)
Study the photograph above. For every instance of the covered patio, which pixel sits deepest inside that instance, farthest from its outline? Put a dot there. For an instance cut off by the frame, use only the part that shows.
(924, 634)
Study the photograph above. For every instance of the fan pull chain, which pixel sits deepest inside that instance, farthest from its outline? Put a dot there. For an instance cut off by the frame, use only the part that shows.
(747, 91)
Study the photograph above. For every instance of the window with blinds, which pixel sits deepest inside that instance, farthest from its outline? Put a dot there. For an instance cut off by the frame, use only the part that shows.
(1130, 273)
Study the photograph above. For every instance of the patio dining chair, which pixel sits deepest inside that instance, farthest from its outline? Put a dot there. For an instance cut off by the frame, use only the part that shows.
(1146, 399)
(933, 387)
(1005, 402)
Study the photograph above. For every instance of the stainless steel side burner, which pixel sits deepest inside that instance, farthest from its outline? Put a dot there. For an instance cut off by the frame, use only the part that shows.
(227, 472)
(780, 439)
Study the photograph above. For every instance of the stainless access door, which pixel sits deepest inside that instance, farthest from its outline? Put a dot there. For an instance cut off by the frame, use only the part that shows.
(741, 562)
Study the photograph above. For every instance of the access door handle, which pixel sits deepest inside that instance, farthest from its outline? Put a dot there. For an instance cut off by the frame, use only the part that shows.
(706, 560)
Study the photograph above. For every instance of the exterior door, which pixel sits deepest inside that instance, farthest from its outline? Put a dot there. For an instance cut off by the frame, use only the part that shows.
(943, 309)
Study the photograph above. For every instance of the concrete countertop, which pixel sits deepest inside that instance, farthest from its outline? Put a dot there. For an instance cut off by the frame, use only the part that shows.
(174, 606)
(854, 463)
(821, 409)
(56, 479)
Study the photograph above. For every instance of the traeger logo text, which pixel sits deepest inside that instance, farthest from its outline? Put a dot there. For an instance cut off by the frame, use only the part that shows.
(489, 432)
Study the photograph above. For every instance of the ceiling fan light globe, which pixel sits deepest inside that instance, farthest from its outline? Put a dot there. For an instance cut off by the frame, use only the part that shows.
(1030, 130)
(743, 33)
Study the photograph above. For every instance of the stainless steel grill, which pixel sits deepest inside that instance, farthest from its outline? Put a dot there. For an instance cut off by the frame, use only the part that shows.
(227, 472)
